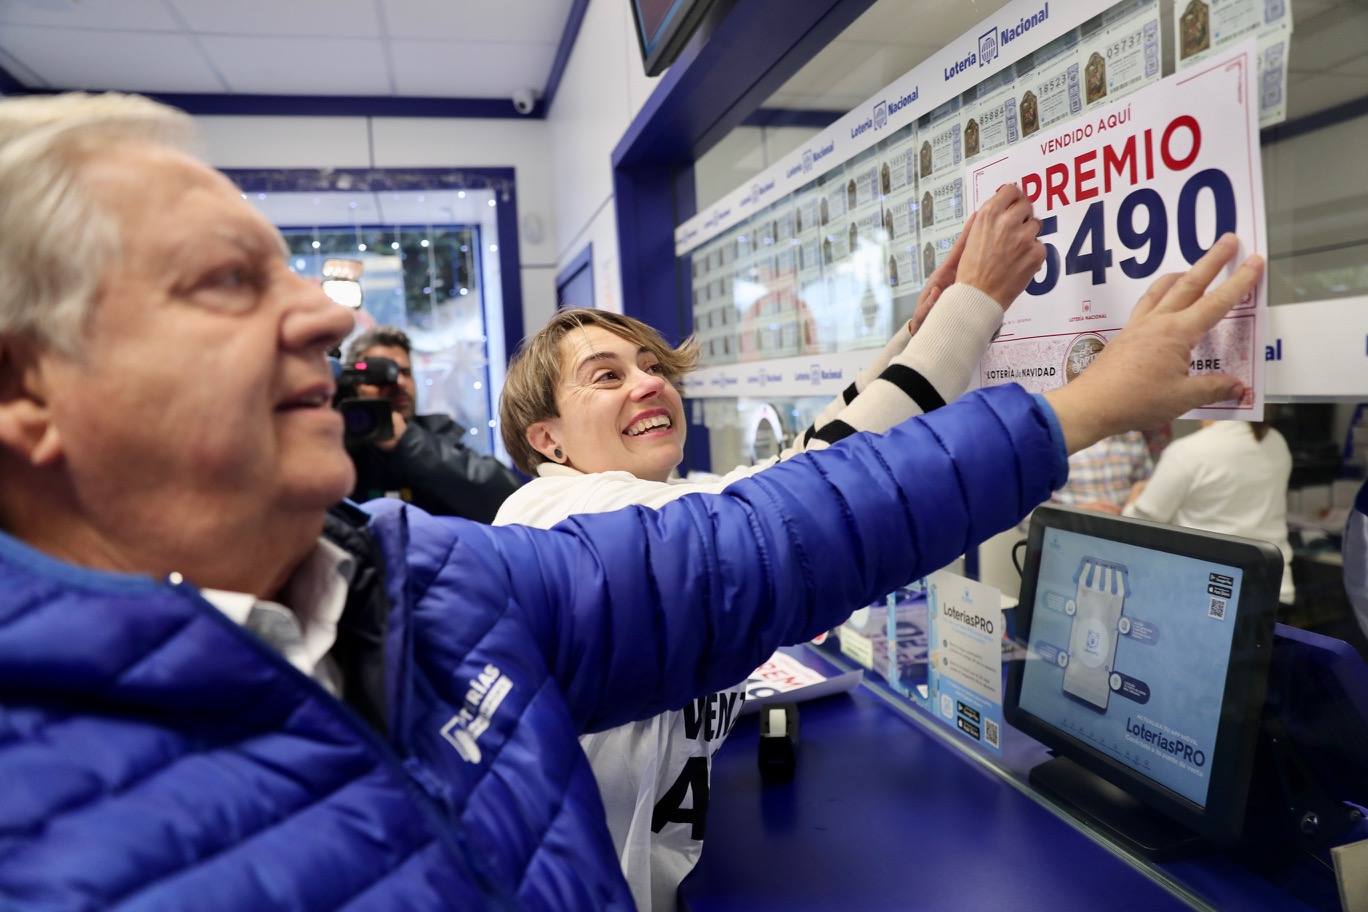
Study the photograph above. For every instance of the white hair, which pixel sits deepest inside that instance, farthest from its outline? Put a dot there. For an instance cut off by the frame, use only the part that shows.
(55, 242)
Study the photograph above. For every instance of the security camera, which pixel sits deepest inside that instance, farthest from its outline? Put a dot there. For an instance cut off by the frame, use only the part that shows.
(524, 100)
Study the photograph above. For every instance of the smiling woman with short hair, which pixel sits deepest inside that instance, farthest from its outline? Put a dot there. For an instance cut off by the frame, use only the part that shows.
(592, 407)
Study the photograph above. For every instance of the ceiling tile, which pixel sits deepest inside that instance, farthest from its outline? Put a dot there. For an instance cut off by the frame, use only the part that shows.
(530, 21)
(133, 15)
(299, 66)
(130, 61)
(469, 70)
(333, 18)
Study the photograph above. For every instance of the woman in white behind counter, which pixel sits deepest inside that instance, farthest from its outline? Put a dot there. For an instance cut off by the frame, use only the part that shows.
(592, 408)
(1229, 477)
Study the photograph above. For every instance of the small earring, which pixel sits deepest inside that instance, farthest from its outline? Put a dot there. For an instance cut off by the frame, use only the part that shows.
(558, 454)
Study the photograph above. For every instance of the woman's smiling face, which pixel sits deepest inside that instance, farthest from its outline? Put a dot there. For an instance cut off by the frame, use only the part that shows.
(617, 411)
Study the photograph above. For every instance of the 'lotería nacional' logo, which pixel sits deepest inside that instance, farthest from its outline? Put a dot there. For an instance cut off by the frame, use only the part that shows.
(881, 115)
(988, 47)
(807, 160)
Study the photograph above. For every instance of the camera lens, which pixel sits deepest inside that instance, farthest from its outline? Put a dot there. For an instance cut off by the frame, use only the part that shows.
(360, 423)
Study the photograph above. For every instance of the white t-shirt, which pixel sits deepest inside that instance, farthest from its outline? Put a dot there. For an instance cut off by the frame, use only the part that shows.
(653, 774)
(1221, 479)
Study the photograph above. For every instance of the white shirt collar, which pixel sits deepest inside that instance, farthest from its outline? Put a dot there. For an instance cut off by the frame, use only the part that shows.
(316, 593)
(554, 469)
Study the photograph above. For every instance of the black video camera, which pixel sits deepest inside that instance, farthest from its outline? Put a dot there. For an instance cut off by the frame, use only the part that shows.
(365, 419)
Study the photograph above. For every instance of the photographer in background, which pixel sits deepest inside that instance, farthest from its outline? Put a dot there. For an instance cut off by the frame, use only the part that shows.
(426, 461)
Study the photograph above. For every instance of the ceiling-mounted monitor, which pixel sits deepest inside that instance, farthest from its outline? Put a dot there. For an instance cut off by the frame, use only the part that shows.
(663, 28)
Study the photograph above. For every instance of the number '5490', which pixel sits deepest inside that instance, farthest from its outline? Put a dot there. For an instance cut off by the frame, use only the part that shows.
(1142, 225)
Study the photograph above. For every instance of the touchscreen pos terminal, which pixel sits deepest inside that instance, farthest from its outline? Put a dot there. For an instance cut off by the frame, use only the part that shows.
(1147, 661)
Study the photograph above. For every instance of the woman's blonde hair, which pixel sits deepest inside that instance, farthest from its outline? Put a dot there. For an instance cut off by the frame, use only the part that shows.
(529, 393)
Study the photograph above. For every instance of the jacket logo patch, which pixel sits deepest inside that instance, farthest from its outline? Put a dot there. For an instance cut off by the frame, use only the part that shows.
(487, 691)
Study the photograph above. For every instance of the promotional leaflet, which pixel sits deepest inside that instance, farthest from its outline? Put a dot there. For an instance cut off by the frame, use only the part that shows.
(785, 679)
(1129, 652)
(1125, 194)
(966, 626)
(1119, 51)
(1206, 27)
(1048, 85)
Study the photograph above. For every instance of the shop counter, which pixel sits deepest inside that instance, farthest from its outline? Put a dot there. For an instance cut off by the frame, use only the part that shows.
(886, 812)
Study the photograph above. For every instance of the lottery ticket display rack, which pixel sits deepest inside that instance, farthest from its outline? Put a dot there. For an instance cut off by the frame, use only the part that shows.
(795, 275)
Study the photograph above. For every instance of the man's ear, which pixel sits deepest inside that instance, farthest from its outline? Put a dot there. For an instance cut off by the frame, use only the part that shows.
(545, 439)
(27, 428)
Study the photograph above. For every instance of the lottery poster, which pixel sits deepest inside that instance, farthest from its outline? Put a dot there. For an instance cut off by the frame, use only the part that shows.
(1138, 189)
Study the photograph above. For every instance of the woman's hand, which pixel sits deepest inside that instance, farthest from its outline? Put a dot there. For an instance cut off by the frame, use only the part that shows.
(941, 279)
(1002, 252)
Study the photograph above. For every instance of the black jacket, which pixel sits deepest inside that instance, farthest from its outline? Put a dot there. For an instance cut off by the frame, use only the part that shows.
(432, 468)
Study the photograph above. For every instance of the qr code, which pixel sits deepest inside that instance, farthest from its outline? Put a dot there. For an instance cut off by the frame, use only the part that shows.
(1217, 609)
(990, 732)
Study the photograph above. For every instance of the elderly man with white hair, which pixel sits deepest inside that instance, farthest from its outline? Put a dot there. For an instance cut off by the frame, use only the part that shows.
(216, 695)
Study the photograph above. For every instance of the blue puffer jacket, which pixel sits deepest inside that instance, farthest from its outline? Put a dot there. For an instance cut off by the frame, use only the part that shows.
(155, 756)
